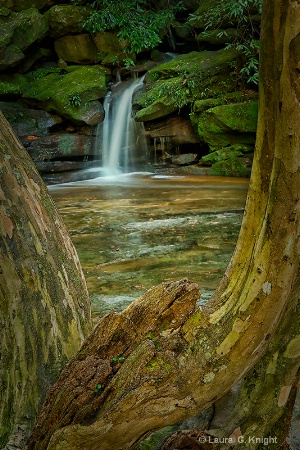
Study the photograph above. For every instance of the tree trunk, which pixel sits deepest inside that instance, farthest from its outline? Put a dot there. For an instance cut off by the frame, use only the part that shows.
(44, 308)
(163, 359)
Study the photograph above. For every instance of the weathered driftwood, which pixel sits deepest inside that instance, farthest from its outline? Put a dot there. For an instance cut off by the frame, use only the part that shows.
(128, 352)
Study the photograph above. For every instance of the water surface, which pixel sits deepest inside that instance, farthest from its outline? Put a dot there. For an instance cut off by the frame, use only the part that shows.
(137, 230)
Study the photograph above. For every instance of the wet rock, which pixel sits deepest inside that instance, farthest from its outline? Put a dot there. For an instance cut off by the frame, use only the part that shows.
(36, 56)
(186, 158)
(178, 129)
(60, 146)
(18, 31)
(184, 31)
(79, 49)
(28, 122)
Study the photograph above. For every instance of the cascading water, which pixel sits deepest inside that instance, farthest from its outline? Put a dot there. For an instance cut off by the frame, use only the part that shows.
(122, 137)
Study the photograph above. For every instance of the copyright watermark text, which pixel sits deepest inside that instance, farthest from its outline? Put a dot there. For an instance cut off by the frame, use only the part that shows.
(238, 440)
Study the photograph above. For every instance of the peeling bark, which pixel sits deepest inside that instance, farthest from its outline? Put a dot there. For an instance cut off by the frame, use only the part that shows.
(44, 307)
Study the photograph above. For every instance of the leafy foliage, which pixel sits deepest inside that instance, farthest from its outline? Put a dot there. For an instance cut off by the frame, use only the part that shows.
(74, 100)
(138, 22)
(240, 14)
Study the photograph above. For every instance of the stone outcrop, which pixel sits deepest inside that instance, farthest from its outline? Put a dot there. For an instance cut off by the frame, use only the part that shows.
(226, 125)
(79, 49)
(184, 79)
(73, 94)
(65, 20)
(51, 65)
(18, 31)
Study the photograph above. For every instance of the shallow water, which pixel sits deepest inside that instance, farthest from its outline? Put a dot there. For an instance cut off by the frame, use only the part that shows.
(134, 231)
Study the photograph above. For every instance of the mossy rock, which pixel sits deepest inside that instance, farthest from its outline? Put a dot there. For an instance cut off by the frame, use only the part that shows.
(66, 19)
(72, 95)
(18, 32)
(232, 151)
(202, 105)
(206, 63)
(157, 102)
(231, 167)
(226, 125)
(12, 85)
(181, 81)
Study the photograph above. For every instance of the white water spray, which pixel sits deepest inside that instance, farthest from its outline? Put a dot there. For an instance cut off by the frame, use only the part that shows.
(121, 135)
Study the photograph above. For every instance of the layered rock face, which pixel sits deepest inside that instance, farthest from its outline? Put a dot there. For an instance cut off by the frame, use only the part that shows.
(54, 76)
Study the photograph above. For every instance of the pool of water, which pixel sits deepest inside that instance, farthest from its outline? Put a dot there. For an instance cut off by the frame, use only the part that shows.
(137, 230)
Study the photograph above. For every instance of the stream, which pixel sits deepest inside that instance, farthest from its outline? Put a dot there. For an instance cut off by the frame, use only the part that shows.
(134, 231)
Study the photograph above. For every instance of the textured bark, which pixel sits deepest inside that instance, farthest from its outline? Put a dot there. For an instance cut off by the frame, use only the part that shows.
(44, 305)
(187, 358)
(162, 359)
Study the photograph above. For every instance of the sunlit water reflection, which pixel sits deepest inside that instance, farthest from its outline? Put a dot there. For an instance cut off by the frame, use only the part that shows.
(134, 231)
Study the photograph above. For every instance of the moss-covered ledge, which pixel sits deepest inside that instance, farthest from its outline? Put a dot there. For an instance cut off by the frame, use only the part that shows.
(73, 94)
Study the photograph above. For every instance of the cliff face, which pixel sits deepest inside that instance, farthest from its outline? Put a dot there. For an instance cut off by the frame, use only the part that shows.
(54, 76)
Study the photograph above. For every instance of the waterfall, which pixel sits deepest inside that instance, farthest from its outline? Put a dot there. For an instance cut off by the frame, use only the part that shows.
(122, 137)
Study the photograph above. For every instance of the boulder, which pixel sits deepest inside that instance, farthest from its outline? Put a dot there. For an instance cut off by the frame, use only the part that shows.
(204, 64)
(226, 125)
(184, 159)
(73, 95)
(27, 123)
(183, 80)
(156, 101)
(66, 19)
(60, 146)
(79, 49)
(18, 32)
(178, 129)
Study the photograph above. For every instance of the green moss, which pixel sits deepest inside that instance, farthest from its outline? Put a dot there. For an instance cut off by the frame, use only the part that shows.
(183, 80)
(155, 340)
(207, 62)
(226, 125)
(241, 117)
(231, 151)
(54, 91)
(12, 85)
(231, 167)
